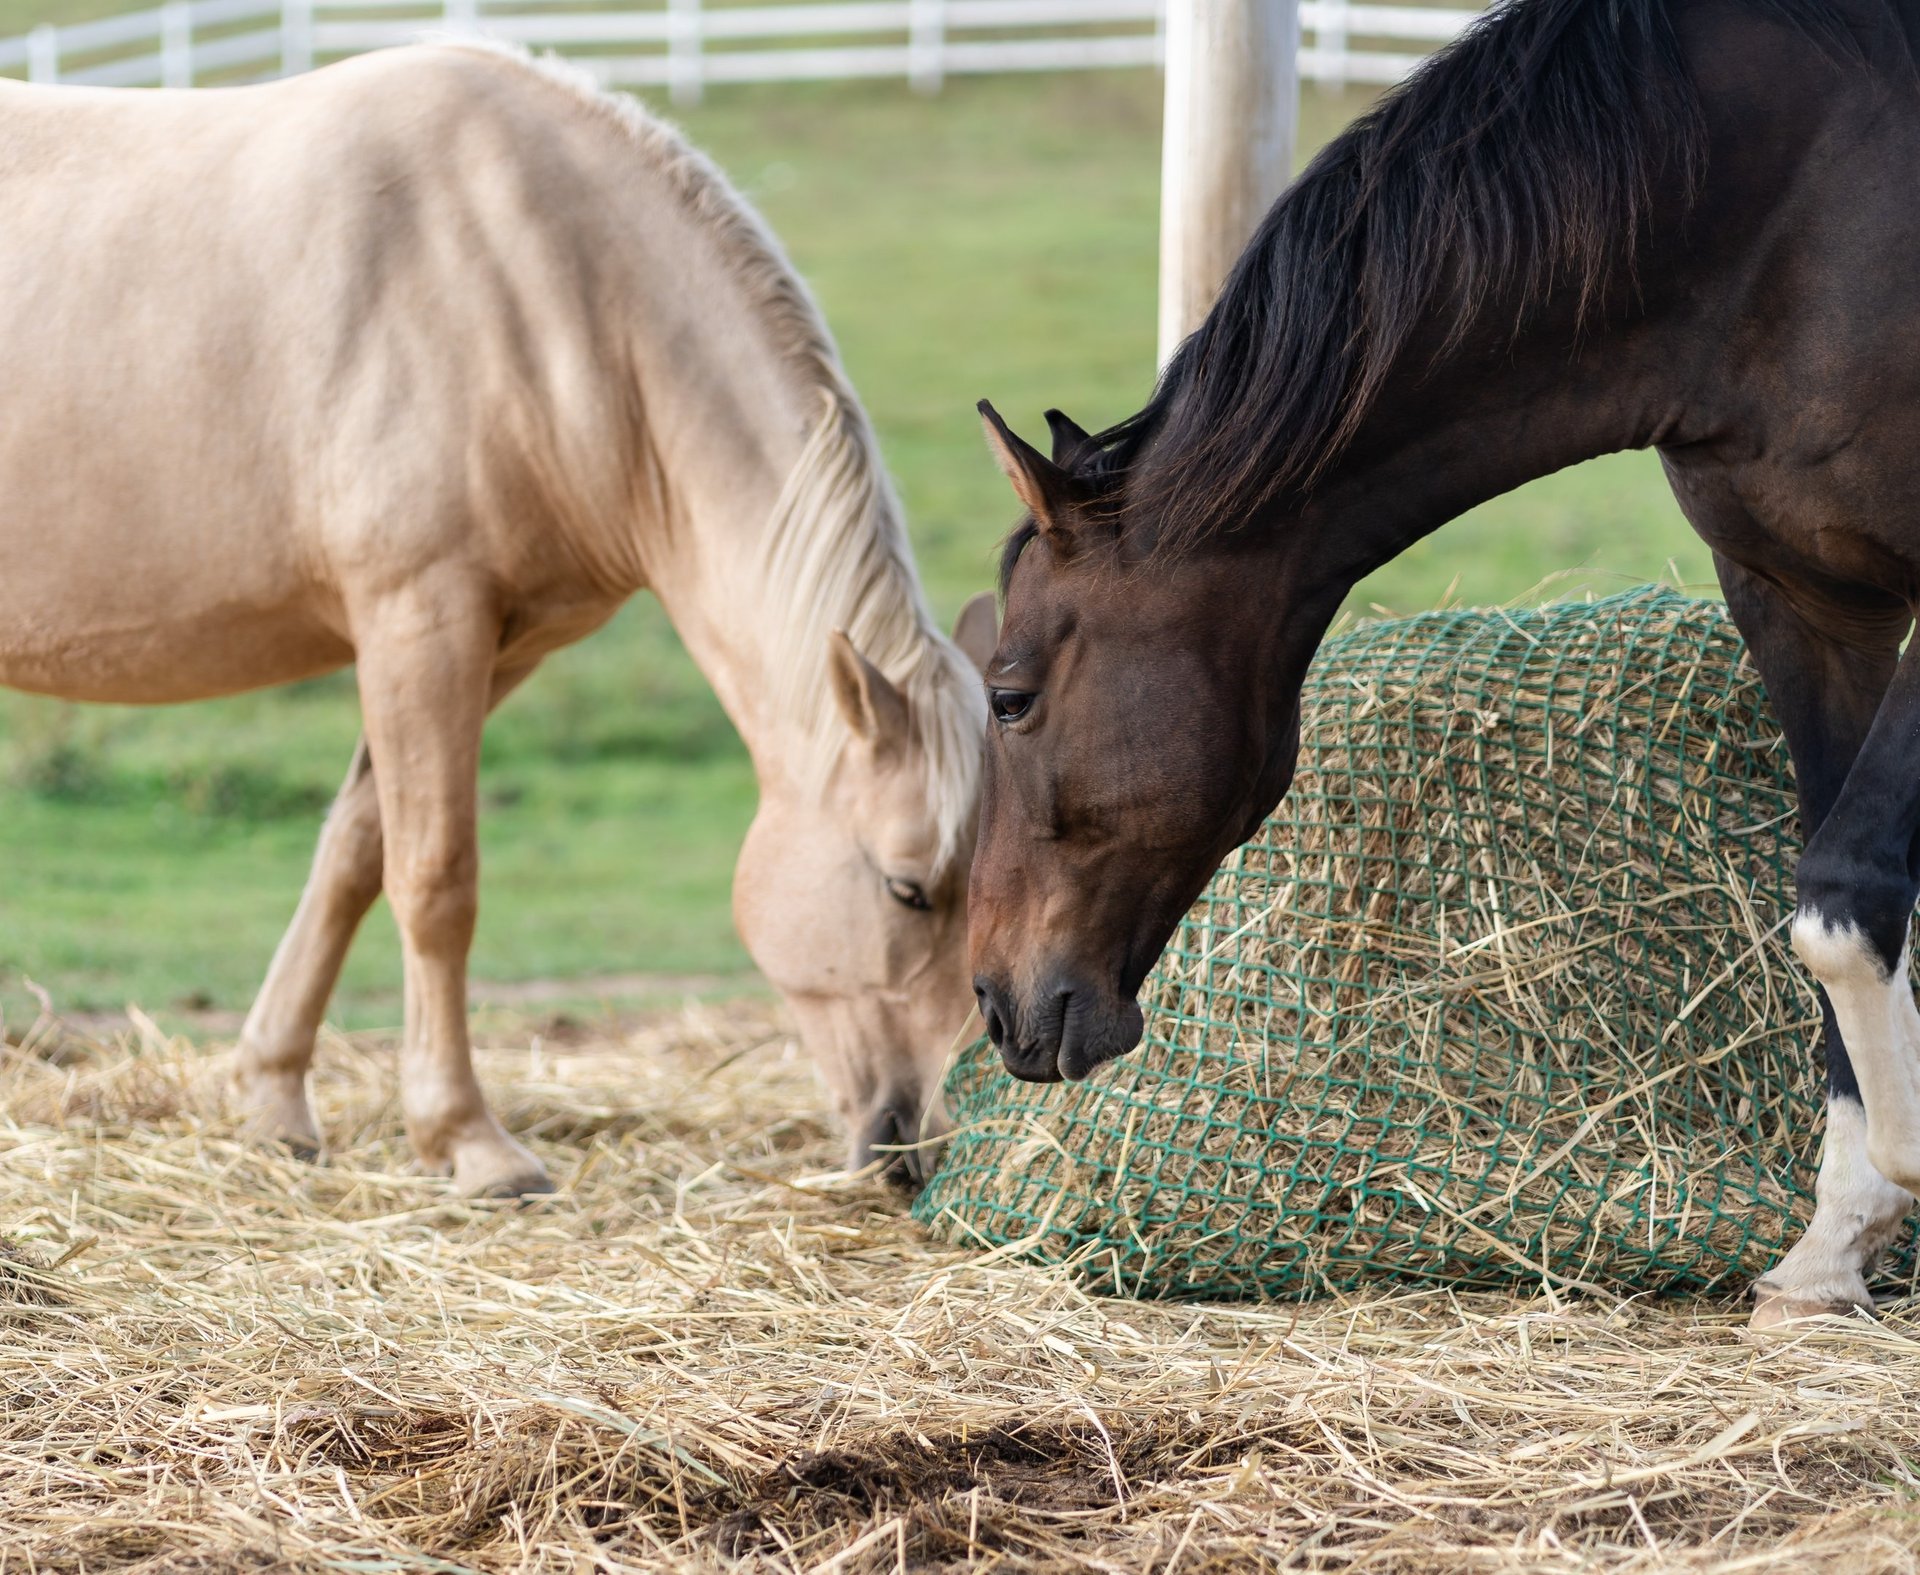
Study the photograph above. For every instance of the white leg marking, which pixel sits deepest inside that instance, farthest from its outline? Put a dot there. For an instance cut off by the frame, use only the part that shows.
(1881, 1029)
(1856, 1212)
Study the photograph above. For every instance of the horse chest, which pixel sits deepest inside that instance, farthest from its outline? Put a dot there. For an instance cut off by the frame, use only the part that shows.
(1830, 493)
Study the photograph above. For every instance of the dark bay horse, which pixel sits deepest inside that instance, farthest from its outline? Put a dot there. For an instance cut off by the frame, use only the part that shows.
(1590, 225)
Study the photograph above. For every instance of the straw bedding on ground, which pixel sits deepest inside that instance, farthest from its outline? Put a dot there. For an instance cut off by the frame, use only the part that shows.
(1502, 988)
(712, 1352)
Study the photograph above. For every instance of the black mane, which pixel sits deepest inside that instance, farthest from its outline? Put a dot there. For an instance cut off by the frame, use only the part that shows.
(1518, 162)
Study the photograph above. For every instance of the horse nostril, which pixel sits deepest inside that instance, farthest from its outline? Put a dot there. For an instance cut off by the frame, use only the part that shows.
(992, 1012)
(888, 1138)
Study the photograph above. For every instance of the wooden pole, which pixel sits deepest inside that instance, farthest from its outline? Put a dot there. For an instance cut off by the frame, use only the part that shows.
(1233, 91)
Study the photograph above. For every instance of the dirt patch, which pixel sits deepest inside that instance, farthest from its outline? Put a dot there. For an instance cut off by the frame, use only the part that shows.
(953, 1497)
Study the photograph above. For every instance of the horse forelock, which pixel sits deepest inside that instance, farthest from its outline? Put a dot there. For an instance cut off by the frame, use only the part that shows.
(1013, 548)
(1516, 165)
(836, 552)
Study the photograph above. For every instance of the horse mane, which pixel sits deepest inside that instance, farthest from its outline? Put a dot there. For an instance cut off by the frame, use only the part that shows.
(836, 548)
(1516, 164)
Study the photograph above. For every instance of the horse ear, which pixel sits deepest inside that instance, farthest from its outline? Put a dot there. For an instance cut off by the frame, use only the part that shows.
(1045, 489)
(872, 706)
(1069, 437)
(977, 630)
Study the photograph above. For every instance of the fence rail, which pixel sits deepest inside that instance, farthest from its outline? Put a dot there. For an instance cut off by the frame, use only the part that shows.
(684, 45)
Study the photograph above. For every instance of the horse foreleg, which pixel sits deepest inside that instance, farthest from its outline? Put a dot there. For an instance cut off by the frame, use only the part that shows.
(425, 653)
(277, 1042)
(1856, 1213)
(1828, 693)
(1858, 882)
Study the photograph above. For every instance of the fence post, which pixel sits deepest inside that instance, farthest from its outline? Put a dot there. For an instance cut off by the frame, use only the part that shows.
(684, 76)
(462, 17)
(926, 44)
(176, 44)
(1331, 39)
(296, 37)
(43, 54)
(1226, 145)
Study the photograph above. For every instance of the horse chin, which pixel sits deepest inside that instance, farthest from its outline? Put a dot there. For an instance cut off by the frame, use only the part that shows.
(1086, 1046)
(1030, 1063)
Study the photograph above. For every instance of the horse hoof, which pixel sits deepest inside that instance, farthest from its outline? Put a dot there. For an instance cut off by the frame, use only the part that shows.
(293, 1136)
(538, 1184)
(505, 1170)
(302, 1146)
(1778, 1309)
(295, 1144)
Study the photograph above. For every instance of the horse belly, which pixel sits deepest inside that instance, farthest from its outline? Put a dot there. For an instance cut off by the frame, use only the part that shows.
(116, 650)
(152, 543)
(151, 605)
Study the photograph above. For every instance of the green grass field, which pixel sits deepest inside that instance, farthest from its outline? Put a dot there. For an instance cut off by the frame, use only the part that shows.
(997, 240)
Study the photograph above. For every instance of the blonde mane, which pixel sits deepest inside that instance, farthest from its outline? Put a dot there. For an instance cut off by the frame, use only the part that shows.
(836, 549)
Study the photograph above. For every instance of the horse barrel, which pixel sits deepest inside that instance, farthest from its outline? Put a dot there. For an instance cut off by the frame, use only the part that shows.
(1500, 992)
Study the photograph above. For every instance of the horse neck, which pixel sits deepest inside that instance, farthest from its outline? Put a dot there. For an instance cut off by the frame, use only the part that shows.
(769, 538)
(1483, 420)
(1489, 278)
(721, 460)
(1480, 424)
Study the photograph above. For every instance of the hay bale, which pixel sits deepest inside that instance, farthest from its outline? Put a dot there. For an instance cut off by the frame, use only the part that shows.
(1501, 990)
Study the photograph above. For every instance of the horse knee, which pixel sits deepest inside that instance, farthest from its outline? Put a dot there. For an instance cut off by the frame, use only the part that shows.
(435, 892)
(1880, 1032)
(1836, 950)
(1853, 912)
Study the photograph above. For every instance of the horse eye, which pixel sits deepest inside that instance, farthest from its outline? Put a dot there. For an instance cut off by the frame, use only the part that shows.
(906, 892)
(1009, 705)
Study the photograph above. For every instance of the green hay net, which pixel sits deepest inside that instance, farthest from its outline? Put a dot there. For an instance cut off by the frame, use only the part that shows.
(1503, 990)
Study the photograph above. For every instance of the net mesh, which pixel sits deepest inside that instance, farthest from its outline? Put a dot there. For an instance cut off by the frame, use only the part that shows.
(1502, 990)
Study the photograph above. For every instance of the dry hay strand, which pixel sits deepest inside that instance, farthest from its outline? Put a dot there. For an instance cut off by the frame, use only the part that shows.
(711, 1351)
(1502, 990)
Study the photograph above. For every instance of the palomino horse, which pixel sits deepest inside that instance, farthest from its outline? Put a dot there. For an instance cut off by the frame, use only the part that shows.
(427, 362)
(1686, 224)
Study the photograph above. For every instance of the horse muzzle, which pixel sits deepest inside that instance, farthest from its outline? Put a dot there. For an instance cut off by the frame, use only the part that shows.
(904, 1138)
(1063, 1031)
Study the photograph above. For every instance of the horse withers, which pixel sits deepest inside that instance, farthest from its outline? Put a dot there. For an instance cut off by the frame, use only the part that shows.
(1683, 224)
(428, 361)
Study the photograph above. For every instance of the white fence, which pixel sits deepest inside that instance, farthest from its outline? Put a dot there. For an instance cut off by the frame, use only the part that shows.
(684, 45)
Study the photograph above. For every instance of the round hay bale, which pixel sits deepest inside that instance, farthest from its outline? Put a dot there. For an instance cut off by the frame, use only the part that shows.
(1501, 990)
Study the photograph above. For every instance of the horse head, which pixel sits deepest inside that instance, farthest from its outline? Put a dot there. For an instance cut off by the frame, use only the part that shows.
(1136, 736)
(851, 896)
